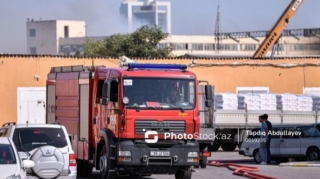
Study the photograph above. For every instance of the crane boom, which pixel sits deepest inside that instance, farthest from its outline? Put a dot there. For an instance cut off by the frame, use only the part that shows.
(277, 29)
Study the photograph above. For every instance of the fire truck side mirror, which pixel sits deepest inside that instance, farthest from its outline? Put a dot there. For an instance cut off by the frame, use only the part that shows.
(105, 93)
(209, 95)
(208, 91)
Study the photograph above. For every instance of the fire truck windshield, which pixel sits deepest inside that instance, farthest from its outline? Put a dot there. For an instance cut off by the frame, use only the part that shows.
(159, 93)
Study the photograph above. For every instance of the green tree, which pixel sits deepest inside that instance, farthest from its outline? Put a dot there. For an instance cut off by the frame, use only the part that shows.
(94, 47)
(141, 43)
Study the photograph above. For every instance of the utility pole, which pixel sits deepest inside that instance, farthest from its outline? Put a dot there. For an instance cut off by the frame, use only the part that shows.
(217, 33)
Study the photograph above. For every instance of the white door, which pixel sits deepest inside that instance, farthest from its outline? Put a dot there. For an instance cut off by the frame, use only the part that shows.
(290, 144)
(32, 105)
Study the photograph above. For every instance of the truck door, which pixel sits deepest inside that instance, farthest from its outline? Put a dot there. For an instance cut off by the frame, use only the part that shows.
(109, 111)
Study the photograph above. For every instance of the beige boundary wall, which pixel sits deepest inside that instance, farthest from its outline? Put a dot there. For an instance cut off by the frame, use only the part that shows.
(239, 72)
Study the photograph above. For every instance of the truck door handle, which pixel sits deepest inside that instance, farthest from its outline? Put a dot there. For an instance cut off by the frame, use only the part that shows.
(282, 140)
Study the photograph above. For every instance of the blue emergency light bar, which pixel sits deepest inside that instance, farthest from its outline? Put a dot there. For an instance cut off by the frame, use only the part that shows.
(157, 66)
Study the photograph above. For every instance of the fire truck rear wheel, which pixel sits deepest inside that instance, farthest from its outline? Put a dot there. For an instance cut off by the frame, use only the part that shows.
(183, 174)
(106, 165)
(203, 163)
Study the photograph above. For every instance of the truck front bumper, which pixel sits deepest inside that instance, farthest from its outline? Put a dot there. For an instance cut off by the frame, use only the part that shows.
(161, 157)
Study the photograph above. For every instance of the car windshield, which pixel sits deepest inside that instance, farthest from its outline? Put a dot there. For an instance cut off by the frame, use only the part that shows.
(309, 131)
(7, 154)
(157, 93)
(27, 139)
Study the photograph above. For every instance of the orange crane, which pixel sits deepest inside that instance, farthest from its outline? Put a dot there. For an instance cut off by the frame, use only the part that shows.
(277, 29)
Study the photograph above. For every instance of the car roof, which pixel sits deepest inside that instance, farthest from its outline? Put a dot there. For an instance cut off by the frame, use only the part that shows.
(38, 125)
(286, 126)
(4, 140)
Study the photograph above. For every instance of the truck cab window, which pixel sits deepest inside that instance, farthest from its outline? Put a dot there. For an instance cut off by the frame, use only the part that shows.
(99, 91)
(159, 93)
(114, 91)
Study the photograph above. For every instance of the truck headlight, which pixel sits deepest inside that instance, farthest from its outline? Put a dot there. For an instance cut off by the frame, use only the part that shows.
(124, 153)
(192, 154)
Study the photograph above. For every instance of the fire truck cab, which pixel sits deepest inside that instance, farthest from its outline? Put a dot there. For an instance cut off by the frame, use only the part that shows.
(140, 119)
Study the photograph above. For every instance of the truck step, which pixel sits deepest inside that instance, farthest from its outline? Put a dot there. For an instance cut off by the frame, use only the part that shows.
(112, 146)
(112, 158)
(111, 170)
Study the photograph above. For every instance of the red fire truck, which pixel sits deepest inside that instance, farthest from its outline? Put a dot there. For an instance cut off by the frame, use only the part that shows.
(140, 119)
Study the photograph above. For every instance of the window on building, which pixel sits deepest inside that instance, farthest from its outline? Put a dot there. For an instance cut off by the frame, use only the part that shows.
(249, 47)
(208, 47)
(33, 50)
(66, 31)
(180, 46)
(32, 32)
(229, 47)
(298, 47)
(314, 47)
(197, 46)
(301, 47)
(163, 45)
(278, 47)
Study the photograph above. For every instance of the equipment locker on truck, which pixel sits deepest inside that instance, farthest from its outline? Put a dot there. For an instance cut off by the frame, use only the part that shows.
(126, 120)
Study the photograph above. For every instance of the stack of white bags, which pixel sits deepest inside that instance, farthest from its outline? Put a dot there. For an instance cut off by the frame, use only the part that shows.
(305, 103)
(226, 101)
(289, 101)
(252, 101)
(267, 101)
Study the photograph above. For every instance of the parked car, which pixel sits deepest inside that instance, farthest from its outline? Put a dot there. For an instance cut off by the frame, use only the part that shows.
(301, 142)
(12, 167)
(48, 145)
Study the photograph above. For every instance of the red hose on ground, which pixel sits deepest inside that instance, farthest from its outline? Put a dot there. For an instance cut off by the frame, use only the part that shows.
(241, 170)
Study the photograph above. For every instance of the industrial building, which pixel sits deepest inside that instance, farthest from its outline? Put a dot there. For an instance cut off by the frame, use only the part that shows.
(43, 37)
(146, 12)
(67, 37)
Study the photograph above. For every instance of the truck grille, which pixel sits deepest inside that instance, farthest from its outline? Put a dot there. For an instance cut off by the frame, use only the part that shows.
(176, 127)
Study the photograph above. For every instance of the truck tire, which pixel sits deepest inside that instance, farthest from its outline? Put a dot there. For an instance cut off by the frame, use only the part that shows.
(49, 162)
(256, 156)
(106, 165)
(203, 163)
(313, 154)
(187, 174)
(84, 169)
(228, 147)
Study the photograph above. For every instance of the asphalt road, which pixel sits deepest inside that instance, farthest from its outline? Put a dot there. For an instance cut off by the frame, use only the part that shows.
(224, 173)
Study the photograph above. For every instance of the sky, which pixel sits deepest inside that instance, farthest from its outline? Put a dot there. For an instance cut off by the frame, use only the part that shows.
(189, 17)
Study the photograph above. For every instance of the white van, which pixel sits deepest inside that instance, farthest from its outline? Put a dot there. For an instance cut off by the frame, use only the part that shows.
(301, 142)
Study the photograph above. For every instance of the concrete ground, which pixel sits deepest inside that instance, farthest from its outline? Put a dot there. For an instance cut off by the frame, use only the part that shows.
(223, 173)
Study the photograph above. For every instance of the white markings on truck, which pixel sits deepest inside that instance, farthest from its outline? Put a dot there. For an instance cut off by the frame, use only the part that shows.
(127, 82)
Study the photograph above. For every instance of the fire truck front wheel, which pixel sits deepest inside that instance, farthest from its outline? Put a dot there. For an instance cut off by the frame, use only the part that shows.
(186, 174)
(106, 165)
